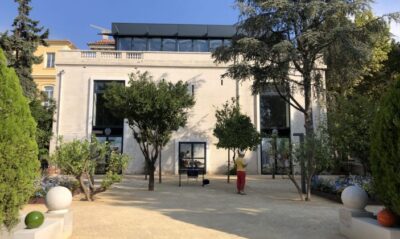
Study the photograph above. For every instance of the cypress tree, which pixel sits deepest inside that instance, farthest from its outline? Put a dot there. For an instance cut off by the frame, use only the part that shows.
(19, 48)
(385, 149)
(18, 149)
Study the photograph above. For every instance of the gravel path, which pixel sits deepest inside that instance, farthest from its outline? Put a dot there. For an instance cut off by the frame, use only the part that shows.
(270, 209)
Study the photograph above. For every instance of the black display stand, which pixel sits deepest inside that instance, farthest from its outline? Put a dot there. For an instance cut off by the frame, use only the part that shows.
(191, 173)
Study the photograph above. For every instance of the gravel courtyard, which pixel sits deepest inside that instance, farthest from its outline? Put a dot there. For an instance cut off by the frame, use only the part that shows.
(270, 209)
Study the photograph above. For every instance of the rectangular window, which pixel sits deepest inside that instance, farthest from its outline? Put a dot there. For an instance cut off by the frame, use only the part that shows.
(200, 46)
(139, 44)
(274, 113)
(124, 44)
(49, 91)
(214, 44)
(51, 57)
(274, 109)
(192, 155)
(102, 116)
(227, 42)
(154, 44)
(185, 45)
(274, 116)
(169, 44)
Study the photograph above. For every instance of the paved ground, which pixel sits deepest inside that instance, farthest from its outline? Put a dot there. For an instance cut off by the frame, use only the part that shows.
(270, 209)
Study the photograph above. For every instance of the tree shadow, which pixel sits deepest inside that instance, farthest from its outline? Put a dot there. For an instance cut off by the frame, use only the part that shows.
(270, 208)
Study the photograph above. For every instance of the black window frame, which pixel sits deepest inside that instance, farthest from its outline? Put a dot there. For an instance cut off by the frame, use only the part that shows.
(192, 143)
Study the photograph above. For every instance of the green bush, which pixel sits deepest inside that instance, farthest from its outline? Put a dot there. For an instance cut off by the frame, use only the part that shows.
(385, 149)
(79, 158)
(19, 165)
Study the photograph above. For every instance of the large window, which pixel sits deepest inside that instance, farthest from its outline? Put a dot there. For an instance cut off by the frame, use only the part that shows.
(124, 43)
(214, 44)
(154, 44)
(274, 118)
(50, 59)
(169, 44)
(185, 45)
(192, 155)
(139, 44)
(102, 116)
(106, 127)
(200, 45)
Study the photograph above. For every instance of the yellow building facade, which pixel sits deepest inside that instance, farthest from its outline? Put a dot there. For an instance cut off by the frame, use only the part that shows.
(44, 74)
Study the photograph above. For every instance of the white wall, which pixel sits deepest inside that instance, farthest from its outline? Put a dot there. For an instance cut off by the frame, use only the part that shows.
(76, 102)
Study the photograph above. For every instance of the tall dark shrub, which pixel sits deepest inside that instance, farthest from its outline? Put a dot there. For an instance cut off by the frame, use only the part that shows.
(19, 166)
(385, 149)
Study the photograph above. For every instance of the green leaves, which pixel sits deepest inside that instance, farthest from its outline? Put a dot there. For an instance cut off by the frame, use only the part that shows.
(19, 167)
(154, 110)
(385, 149)
(79, 158)
(234, 130)
(19, 48)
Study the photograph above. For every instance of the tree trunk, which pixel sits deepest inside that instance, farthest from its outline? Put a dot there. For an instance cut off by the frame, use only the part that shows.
(159, 169)
(151, 179)
(293, 179)
(229, 166)
(309, 128)
(85, 190)
(91, 182)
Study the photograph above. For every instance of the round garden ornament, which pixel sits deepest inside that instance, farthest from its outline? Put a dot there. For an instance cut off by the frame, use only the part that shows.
(354, 197)
(386, 218)
(58, 200)
(34, 219)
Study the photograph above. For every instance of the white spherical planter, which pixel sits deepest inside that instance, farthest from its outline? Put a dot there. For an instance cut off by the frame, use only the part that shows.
(58, 200)
(355, 198)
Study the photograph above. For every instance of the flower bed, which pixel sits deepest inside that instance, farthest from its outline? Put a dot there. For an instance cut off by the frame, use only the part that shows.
(47, 182)
(331, 187)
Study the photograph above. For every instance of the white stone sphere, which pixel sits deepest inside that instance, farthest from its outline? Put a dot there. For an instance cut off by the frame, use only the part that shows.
(58, 199)
(354, 197)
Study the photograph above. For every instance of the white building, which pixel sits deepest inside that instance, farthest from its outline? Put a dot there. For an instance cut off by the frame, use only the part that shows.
(170, 52)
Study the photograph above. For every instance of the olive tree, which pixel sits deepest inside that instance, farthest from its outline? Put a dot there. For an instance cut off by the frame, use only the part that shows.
(154, 110)
(79, 158)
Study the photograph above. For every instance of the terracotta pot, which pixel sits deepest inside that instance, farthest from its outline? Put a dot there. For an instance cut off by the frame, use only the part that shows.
(387, 218)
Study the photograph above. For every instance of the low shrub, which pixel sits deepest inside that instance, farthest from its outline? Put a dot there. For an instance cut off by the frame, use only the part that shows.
(79, 159)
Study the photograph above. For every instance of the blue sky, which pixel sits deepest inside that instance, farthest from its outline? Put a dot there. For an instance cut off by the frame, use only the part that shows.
(71, 19)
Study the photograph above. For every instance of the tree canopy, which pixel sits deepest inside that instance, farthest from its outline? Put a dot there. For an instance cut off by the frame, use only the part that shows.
(21, 44)
(19, 47)
(276, 39)
(154, 110)
(234, 130)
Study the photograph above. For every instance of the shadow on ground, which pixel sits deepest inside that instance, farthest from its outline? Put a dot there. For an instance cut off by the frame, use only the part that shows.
(271, 208)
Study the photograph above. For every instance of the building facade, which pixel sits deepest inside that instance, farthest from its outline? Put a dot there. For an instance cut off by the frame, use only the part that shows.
(169, 52)
(44, 74)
